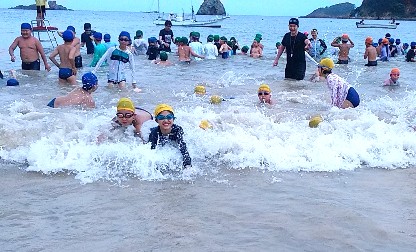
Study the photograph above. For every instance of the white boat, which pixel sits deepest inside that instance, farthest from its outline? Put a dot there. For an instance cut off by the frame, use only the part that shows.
(370, 25)
(191, 22)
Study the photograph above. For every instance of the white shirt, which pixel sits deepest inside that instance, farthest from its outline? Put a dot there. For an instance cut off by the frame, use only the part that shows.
(211, 51)
(197, 48)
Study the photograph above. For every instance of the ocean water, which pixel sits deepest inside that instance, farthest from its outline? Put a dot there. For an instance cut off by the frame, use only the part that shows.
(261, 179)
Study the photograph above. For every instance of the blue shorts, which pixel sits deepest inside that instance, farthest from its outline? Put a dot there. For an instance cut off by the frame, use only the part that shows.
(342, 61)
(65, 73)
(353, 97)
(52, 103)
(225, 55)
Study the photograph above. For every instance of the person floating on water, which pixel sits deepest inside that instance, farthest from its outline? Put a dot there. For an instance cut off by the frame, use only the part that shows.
(66, 52)
(127, 114)
(168, 132)
(295, 43)
(81, 96)
(265, 94)
(30, 49)
(342, 94)
(370, 52)
(394, 77)
(118, 57)
(344, 48)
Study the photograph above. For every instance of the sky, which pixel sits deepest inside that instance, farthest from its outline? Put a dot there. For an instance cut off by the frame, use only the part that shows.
(233, 7)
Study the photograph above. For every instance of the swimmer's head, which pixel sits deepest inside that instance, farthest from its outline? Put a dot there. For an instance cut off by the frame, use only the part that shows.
(216, 38)
(71, 28)
(264, 87)
(391, 40)
(398, 41)
(87, 27)
(375, 44)
(387, 35)
(326, 65)
(306, 33)
(98, 36)
(413, 45)
(68, 36)
(264, 93)
(395, 74)
(405, 45)
(25, 26)
(124, 34)
(369, 41)
(210, 38)
(258, 35)
(380, 40)
(12, 82)
(126, 104)
(177, 40)
(257, 40)
(168, 23)
(163, 56)
(89, 81)
(344, 38)
(184, 40)
(385, 41)
(162, 107)
(278, 44)
(139, 34)
(152, 40)
(107, 37)
(244, 49)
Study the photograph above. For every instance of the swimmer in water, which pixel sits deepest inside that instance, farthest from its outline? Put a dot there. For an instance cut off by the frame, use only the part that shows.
(265, 94)
(394, 77)
(79, 96)
(66, 52)
(168, 132)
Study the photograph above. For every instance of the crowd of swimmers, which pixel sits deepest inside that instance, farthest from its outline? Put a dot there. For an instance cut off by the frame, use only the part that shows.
(120, 56)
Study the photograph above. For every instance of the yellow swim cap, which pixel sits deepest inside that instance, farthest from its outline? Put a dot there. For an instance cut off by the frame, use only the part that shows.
(265, 87)
(205, 124)
(327, 63)
(200, 90)
(162, 107)
(216, 99)
(315, 121)
(126, 104)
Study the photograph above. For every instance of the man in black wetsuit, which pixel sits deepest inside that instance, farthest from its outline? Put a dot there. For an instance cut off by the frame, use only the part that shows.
(295, 44)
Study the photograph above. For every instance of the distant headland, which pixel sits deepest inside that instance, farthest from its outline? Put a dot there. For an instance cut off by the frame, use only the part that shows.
(52, 6)
(369, 9)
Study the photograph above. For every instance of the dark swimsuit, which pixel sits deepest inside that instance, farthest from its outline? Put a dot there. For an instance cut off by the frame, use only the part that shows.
(65, 73)
(371, 63)
(353, 97)
(52, 103)
(342, 61)
(78, 61)
(35, 65)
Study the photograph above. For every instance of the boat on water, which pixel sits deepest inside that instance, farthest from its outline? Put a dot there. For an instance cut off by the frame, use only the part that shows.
(190, 22)
(370, 25)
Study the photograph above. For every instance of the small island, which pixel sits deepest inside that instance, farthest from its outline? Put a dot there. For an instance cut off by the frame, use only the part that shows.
(52, 6)
(342, 10)
(211, 7)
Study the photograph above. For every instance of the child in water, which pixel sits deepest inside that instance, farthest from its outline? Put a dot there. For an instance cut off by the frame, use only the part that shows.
(342, 94)
(168, 132)
(265, 94)
(394, 77)
(224, 48)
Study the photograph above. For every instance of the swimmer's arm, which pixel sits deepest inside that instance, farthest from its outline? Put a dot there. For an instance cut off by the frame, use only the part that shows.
(366, 54)
(53, 55)
(12, 48)
(279, 53)
(196, 55)
(352, 43)
(71, 57)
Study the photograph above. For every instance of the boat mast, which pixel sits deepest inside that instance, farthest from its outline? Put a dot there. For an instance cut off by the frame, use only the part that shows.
(158, 8)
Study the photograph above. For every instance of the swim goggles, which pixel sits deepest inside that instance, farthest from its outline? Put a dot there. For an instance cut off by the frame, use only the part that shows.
(264, 93)
(126, 115)
(167, 117)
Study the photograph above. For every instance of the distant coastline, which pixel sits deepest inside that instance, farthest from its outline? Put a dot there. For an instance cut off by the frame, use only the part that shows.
(33, 7)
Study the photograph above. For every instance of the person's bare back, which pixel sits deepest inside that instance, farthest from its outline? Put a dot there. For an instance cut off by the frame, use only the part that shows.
(184, 53)
(256, 52)
(344, 51)
(78, 96)
(370, 53)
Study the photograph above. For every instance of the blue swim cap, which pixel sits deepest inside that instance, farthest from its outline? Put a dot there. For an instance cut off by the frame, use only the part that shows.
(68, 35)
(380, 40)
(152, 40)
(25, 26)
(107, 37)
(12, 82)
(413, 44)
(89, 80)
(375, 44)
(391, 40)
(124, 34)
(71, 28)
(406, 44)
(398, 41)
(98, 35)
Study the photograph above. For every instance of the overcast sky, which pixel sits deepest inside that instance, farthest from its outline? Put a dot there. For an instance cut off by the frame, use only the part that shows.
(233, 7)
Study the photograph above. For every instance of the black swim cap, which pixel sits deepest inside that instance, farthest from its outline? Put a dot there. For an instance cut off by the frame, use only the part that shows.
(294, 21)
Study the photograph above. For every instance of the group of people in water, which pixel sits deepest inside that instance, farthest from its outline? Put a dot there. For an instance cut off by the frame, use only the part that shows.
(119, 57)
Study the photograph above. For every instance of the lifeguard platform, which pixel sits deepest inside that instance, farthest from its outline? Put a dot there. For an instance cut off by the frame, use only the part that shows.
(45, 32)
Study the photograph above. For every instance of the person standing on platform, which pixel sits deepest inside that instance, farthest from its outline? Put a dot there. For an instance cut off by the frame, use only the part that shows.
(40, 12)
(295, 44)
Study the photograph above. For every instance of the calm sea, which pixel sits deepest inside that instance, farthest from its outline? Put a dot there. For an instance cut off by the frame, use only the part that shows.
(262, 179)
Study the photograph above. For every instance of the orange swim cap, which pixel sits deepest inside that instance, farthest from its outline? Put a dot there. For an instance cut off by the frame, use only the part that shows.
(344, 37)
(369, 40)
(385, 41)
(395, 71)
